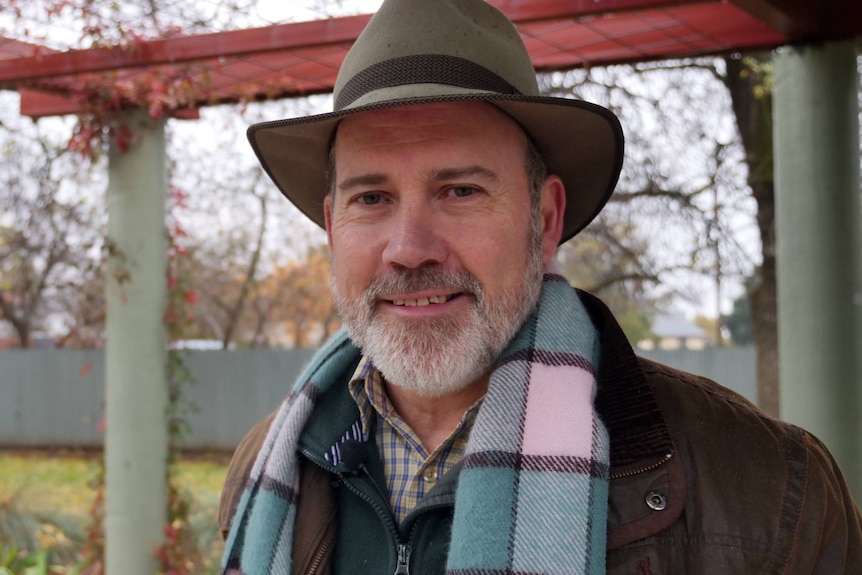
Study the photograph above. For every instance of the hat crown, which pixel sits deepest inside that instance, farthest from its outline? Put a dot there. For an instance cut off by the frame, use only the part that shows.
(410, 45)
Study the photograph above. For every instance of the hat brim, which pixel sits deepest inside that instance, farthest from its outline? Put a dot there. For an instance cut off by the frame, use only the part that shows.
(582, 143)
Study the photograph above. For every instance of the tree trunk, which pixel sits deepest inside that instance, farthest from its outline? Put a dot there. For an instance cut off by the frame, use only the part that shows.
(238, 307)
(748, 81)
(20, 324)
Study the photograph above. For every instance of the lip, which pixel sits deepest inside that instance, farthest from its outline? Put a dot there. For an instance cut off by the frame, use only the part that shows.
(421, 299)
(423, 304)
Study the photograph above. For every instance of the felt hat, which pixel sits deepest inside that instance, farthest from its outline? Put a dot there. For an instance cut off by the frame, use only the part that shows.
(424, 51)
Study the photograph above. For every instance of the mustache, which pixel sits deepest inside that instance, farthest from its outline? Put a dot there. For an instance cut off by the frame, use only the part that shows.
(427, 277)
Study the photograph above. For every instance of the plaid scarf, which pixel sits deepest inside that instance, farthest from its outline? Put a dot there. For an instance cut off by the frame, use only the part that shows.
(532, 496)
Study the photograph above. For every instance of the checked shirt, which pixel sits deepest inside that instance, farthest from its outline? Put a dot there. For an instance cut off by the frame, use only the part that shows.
(409, 469)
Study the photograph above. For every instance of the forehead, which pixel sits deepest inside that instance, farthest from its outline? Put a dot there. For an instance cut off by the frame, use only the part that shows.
(450, 123)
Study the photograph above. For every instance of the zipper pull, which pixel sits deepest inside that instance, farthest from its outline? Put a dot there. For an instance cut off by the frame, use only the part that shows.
(403, 567)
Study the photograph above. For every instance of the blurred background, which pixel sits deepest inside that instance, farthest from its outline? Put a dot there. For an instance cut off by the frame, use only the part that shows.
(684, 255)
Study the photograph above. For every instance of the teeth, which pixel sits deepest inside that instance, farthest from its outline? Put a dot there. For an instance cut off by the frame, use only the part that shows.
(423, 301)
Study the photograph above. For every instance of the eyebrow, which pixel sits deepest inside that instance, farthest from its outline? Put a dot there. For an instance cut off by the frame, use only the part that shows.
(457, 173)
(445, 174)
(375, 179)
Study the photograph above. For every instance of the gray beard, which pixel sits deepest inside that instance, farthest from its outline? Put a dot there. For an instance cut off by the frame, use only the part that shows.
(436, 357)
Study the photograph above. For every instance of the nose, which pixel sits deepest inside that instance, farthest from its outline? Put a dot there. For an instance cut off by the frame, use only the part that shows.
(414, 239)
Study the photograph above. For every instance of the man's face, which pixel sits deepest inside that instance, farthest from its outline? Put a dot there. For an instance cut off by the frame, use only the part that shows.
(436, 259)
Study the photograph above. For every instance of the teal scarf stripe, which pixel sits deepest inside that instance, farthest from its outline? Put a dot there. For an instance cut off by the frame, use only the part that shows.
(252, 521)
(334, 352)
(508, 517)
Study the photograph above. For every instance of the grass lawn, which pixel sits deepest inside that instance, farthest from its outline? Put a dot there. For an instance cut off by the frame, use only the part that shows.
(60, 485)
(44, 481)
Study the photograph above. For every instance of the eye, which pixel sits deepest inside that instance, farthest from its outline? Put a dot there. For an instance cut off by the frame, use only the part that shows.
(461, 191)
(370, 198)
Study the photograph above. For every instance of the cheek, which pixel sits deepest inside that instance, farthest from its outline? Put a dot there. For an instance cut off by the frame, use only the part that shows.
(355, 261)
(496, 256)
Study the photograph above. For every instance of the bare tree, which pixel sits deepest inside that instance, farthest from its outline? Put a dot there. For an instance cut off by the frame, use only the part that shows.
(239, 227)
(721, 199)
(50, 232)
(305, 310)
(749, 81)
(680, 203)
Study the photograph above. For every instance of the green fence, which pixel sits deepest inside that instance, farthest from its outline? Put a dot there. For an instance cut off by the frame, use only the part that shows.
(55, 398)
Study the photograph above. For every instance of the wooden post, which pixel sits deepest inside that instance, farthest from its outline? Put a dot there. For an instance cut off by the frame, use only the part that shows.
(819, 246)
(136, 441)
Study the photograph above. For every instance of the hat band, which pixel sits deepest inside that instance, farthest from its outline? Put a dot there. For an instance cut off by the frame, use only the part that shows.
(422, 69)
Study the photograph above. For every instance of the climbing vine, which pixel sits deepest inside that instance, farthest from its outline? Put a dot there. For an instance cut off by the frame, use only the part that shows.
(178, 554)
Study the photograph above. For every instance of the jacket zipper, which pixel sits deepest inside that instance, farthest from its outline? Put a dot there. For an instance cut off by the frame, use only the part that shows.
(402, 566)
(324, 545)
(318, 557)
(404, 551)
(632, 472)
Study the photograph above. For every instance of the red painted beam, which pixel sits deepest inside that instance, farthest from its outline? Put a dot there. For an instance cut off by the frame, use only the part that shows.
(37, 104)
(791, 18)
(554, 43)
(185, 49)
(278, 37)
(521, 11)
(40, 104)
(301, 58)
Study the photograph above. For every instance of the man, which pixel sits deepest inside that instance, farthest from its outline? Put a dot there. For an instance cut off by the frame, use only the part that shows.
(480, 416)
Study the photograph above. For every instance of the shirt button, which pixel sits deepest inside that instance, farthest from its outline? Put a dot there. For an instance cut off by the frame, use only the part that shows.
(430, 476)
(656, 501)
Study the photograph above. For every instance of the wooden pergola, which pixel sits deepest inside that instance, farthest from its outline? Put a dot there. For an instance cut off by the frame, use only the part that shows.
(816, 168)
(301, 59)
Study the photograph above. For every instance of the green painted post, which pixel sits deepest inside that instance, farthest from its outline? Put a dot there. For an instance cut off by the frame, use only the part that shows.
(819, 246)
(136, 392)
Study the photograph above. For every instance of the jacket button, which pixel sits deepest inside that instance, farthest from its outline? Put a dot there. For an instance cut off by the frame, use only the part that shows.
(656, 501)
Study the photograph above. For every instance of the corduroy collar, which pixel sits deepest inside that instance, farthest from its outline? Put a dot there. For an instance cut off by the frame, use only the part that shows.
(624, 400)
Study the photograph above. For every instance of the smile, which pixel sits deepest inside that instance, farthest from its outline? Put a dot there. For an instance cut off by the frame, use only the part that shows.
(423, 301)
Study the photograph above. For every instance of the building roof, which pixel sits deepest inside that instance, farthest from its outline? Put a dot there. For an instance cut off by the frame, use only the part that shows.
(675, 325)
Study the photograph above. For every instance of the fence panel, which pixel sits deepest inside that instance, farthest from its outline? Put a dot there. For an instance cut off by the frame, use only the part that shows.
(733, 367)
(55, 398)
(235, 389)
(51, 397)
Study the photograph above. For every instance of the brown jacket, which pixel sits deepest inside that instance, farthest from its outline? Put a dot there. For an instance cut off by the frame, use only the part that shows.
(701, 480)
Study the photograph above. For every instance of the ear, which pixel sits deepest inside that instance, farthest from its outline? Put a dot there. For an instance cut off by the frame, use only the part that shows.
(327, 219)
(552, 210)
